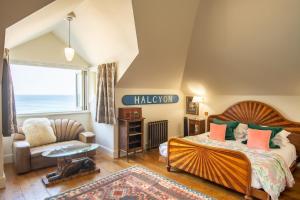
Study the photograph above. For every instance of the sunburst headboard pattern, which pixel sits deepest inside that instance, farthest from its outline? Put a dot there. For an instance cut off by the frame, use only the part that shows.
(259, 113)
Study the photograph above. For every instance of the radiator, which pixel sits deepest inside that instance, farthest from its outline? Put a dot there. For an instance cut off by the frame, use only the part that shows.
(157, 133)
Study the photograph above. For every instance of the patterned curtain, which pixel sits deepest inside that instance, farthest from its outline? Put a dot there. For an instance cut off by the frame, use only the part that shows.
(105, 99)
(9, 121)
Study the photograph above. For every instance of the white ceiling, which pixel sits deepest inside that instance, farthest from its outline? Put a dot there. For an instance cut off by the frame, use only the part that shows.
(164, 30)
(39, 23)
(106, 33)
(222, 47)
(245, 48)
(37, 52)
(231, 47)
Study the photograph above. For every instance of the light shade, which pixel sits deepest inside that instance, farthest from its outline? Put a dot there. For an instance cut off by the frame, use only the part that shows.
(69, 53)
(198, 99)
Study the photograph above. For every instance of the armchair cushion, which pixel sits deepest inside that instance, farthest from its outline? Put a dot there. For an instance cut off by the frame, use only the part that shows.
(38, 131)
(87, 137)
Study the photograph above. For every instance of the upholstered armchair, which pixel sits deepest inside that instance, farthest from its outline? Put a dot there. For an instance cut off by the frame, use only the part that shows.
(67, 132)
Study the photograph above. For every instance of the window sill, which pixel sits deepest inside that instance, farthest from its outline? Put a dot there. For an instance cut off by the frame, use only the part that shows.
(53, 113)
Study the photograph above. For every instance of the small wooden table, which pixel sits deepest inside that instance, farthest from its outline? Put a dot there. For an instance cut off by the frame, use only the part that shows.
(69, 167)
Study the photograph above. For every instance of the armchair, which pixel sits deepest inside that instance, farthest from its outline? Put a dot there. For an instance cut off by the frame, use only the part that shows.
(67, 132)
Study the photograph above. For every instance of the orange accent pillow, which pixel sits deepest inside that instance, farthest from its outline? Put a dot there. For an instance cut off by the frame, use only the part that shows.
(259, 139)
(217, 132)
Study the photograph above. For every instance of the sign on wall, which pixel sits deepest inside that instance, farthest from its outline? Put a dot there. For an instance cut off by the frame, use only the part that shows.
(149, 99)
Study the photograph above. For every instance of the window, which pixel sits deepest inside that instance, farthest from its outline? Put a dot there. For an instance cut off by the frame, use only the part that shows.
(48, 89)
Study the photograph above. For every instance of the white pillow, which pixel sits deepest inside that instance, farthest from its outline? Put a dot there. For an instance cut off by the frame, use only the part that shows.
(281, 138)
(240, 132)
(38, 131)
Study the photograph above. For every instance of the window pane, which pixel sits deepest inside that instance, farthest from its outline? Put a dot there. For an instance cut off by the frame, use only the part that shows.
(45, 89)
(79, 90)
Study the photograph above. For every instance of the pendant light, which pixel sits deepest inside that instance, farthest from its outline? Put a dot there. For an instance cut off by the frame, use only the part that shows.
(69, 51)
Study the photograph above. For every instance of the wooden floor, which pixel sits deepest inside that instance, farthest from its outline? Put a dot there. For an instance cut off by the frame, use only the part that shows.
(30, 187)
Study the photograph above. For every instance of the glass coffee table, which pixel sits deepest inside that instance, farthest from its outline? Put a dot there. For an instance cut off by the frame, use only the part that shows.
(69, 167)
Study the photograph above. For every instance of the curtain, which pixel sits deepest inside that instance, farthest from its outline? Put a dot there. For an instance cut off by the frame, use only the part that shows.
(9, 121)
(105, 99)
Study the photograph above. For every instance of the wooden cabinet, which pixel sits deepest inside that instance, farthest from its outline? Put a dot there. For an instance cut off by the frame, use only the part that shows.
(131, 113)
(131, 131)
(196, 126)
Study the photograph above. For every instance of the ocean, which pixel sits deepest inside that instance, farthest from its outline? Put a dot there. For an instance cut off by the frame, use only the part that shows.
(26, 104)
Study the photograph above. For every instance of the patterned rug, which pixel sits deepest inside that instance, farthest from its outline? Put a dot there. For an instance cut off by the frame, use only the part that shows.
(134, 183)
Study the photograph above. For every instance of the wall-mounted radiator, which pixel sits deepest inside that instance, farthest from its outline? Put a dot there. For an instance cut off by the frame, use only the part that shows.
(157, 133)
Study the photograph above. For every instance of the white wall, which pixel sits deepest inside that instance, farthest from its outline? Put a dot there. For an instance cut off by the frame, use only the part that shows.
(107, 135)
(83, 117)
(172, 112)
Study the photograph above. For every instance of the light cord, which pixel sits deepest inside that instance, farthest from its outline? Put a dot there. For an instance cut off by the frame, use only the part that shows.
(69, 33)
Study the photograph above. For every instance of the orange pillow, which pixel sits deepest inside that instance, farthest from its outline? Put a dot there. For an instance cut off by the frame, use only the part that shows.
(259, 139)
(217, 132)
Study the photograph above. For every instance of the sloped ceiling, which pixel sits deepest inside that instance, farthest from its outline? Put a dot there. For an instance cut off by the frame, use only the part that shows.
(236, 48)
(245, 48)
(39, 23)
(36, 52)
(228, 47)
(164, 30)
(19, 12)
(12, 11)
(103, 30)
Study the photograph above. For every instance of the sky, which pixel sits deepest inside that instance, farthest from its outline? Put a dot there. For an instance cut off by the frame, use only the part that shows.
(33, 80)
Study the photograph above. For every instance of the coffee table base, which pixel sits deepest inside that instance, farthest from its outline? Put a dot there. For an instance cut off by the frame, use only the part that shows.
(47, 183)
(68, 168)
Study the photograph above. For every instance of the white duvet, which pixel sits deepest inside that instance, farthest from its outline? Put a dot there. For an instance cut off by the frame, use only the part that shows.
(287, 153)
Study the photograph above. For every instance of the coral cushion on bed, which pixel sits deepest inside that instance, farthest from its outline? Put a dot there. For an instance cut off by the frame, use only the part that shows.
(259, 139)
(275, 131)
(217, 132)
(231, 125)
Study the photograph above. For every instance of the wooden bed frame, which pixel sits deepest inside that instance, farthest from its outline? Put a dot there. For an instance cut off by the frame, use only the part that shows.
(229, 168)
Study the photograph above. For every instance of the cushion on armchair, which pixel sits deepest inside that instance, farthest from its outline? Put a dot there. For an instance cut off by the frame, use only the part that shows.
(38, 131)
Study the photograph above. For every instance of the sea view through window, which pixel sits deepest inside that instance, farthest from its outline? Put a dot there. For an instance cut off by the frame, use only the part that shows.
(46, 89)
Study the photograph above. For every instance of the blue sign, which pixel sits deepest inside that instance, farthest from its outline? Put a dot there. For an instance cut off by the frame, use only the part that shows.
(149, 99)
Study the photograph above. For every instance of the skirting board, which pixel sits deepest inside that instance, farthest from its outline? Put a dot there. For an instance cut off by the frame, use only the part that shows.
(107, 150)
(110, 152)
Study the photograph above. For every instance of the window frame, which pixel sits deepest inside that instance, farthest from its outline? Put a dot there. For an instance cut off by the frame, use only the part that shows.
(84, 82)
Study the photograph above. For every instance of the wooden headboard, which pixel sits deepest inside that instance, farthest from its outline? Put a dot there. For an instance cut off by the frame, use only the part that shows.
(262, 114)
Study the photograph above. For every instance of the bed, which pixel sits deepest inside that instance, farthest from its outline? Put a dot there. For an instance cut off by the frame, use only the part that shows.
(233, 166)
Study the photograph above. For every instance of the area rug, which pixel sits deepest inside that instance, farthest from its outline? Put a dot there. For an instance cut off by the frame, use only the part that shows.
(134, 183)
